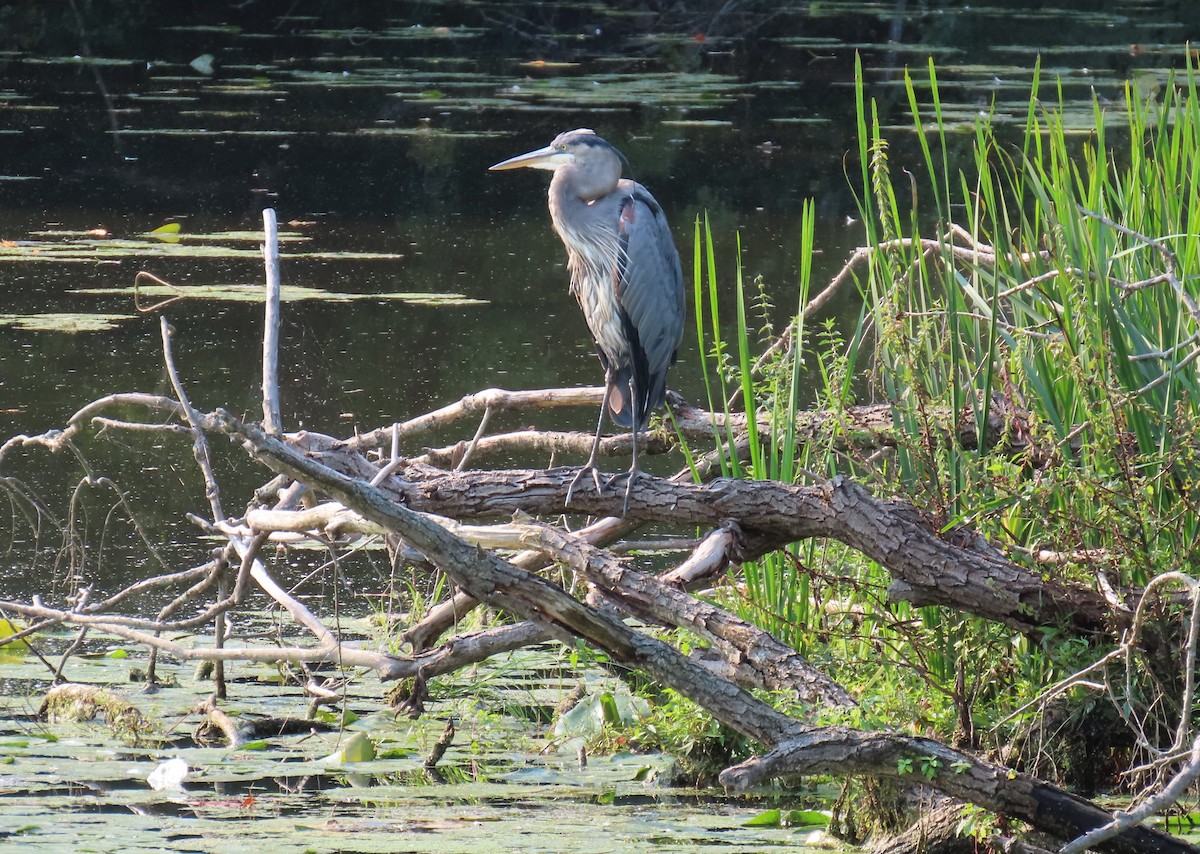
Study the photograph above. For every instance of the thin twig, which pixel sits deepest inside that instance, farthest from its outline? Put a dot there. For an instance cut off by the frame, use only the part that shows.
(1122, 821)
(199, 442)
(57, 440)
(474, 443)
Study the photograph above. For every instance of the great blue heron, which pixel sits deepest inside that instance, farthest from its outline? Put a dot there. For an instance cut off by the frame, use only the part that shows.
(625, 273)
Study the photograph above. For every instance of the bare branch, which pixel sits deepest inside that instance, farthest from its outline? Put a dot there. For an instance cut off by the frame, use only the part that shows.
(272, 420)
(496, 399)
(199, 443)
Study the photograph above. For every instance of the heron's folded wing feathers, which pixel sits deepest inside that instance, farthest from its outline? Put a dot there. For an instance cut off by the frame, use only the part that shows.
(650, 290)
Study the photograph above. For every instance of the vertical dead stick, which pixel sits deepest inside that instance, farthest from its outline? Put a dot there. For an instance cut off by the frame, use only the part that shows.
(439, 749)
(199, 443)
(220, 629)
(204, 459)
(272, 422)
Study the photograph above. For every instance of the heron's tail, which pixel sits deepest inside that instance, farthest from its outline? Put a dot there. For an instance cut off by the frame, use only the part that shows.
(621, 404)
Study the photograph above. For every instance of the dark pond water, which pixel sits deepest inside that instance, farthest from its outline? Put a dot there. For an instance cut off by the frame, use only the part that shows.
(374, 130)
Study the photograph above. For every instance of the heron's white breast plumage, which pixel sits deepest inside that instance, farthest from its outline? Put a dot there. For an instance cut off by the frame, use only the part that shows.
(594, 260)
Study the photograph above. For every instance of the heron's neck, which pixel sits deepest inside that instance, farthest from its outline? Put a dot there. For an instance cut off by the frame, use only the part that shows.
(587, 233)
(583, 184)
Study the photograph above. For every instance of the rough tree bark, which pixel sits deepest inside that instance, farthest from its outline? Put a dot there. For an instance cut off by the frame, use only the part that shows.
(928, 569)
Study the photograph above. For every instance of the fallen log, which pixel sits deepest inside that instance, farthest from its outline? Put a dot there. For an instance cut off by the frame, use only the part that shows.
(927, 569)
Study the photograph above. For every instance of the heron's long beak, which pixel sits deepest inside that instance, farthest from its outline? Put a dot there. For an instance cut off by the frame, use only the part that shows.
(544, 158)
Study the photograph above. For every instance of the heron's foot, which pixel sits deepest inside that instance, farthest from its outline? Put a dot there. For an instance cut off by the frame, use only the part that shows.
(630, 476)
(579, 475)
(633, 475)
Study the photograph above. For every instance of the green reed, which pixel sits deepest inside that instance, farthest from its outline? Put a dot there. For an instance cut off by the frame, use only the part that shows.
(1020, 270)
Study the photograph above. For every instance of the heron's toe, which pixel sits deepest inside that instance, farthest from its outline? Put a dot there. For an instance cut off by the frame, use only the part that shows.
(579, 475)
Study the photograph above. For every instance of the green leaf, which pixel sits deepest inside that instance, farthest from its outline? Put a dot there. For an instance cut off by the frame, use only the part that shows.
(608, 707)
(596, 711)
(168, 233)
(11, 653)
(7, 629)
(359, 748)
(807, 818)
(334, 718)
(769, 818)
(396, 753)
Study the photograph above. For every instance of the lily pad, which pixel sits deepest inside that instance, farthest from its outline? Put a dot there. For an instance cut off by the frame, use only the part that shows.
(84, 247)
(358, 748)
(68, 322)
(428, 132)
(288, 293)
(660, 89)
(245, 236)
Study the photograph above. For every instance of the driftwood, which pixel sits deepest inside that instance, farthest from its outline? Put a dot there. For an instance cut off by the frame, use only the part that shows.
(928, 569)
(363, 487)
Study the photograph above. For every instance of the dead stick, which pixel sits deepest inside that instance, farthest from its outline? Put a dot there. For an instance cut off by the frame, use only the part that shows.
(195, 419)
(387, 666)
(443, 743)
(272, 421)
(497, 399)
(222, 721)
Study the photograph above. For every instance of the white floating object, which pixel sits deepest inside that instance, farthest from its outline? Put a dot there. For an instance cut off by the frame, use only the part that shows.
(168, 775)
(203, 64)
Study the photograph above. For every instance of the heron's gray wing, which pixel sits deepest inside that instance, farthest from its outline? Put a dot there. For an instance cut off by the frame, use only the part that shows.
(650, 287)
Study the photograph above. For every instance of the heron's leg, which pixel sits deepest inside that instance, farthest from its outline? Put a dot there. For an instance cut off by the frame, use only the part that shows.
(590, 465)
(633, 467)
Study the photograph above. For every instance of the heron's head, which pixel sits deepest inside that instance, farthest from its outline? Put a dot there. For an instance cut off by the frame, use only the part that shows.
(595, 165)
